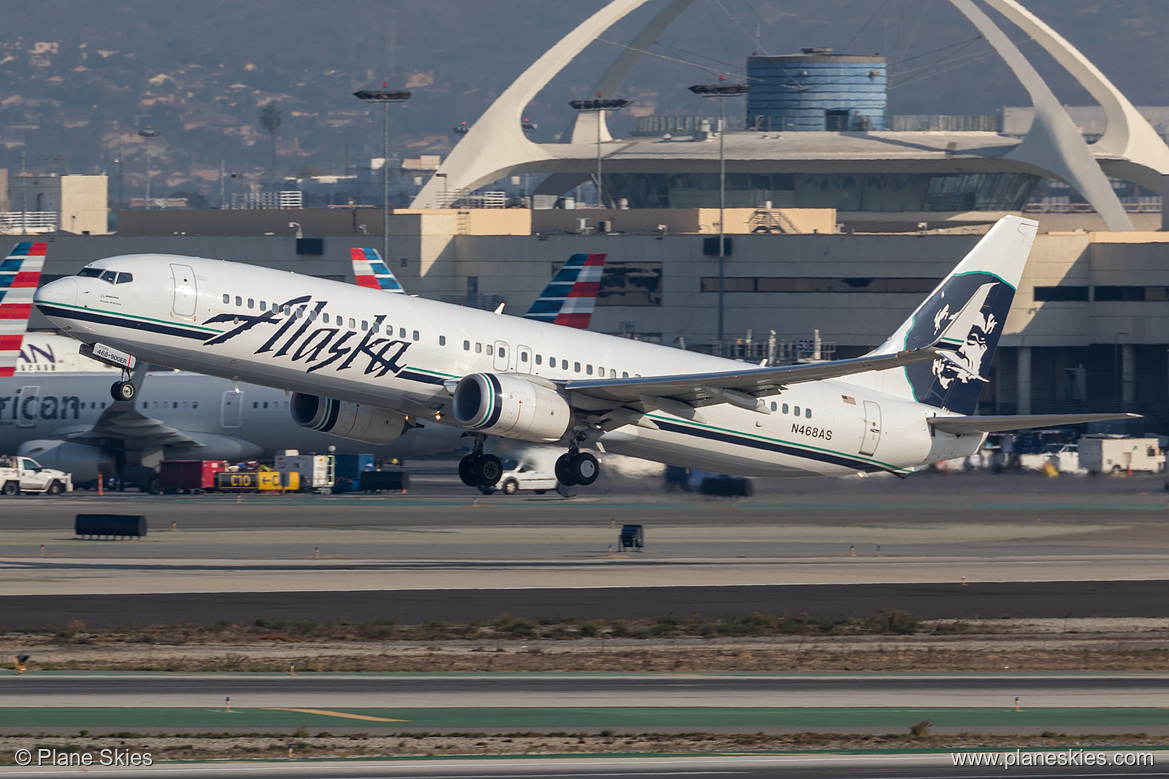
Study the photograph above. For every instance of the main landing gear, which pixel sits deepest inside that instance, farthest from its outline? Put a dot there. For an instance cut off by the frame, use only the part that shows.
(478, 469)
(124, 389)
(577, 468)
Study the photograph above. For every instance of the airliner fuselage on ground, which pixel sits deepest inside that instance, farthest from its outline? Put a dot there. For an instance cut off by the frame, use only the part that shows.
(364, 364)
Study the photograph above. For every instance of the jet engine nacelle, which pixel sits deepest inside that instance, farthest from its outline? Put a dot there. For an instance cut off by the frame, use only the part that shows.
(511, 407)
(358, 421)
(84, 461)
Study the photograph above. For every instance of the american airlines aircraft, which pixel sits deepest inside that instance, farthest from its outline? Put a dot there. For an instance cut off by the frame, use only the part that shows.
(361, 363)
(569, 299)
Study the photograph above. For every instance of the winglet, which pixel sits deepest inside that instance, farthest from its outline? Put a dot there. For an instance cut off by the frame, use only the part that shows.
(20, 273)
(371, 271)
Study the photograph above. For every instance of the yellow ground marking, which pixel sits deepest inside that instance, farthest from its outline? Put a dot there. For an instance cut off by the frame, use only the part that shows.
(343, 715)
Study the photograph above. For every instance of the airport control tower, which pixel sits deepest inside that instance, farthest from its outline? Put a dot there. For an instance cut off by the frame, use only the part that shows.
(816, 90)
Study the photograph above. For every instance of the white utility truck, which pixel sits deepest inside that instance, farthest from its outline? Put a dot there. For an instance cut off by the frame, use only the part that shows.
(1110, 454)
(24, 474)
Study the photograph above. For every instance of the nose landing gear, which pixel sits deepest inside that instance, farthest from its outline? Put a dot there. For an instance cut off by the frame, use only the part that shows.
(124, 389)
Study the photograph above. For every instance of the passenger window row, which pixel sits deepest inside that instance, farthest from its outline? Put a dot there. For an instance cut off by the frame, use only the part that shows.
(794, 410)
(479, 347)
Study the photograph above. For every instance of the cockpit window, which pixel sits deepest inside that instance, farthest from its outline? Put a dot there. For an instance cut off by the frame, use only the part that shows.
(124, 278)
(109, 275)
(89, 272)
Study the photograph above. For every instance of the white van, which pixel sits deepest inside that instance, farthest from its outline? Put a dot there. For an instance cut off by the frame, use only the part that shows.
(521, 476)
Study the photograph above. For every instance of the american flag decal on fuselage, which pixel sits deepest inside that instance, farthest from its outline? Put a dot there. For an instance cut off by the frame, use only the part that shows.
(571, 296)
(20, 273)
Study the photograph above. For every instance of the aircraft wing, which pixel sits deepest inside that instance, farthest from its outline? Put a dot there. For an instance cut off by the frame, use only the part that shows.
(122, 421)
(740, 387)
(1000, 424)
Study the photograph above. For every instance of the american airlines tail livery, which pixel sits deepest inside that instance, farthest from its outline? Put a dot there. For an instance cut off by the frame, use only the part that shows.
(569, 299)
(364, 365)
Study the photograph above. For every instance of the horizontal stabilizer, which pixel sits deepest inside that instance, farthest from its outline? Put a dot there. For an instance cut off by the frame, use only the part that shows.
(1001, 424)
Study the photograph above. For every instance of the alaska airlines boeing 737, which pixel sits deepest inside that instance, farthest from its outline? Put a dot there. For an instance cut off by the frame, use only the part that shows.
(360, 362)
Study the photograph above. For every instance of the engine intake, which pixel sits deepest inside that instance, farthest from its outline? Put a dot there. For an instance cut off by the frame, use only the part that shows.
(511, 407)
(357, 421)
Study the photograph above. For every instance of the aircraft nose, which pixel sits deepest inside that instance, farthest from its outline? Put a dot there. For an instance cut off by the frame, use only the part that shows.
(62, 291)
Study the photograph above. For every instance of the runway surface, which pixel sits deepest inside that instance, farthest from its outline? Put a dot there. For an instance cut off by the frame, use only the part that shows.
(1025, 546)
(853, 766)
(926, 601)
(328, 691)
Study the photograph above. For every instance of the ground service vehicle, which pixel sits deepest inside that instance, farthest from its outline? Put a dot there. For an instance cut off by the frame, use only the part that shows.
(317, 471)
(1104, 454)
(188, 476)
(24, 474)
(521, 476)
(263, 480)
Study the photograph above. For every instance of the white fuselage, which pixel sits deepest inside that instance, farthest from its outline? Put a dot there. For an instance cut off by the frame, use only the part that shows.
(213, 420)
(399, 352)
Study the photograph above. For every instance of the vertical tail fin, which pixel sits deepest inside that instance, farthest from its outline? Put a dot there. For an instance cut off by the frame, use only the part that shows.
(20, 273)
(569, 299)
(370, 271)
(965, 314)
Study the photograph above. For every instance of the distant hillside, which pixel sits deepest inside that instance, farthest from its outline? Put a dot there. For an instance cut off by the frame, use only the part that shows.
(78, 79)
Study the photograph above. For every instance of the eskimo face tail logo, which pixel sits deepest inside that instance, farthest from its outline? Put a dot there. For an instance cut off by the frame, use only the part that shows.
(965, 317)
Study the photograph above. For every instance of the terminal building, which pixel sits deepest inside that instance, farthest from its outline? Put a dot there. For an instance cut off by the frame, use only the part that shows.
(837, 226)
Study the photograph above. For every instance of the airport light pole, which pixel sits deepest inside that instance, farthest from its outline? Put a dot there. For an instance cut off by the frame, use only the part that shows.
(146, 135)
(385, 97)
(599, 106)
(721, 90)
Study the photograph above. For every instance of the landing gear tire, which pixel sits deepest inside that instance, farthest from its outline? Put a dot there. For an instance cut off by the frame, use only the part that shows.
(583, 468)
(563, 474)
(123, 390)
(487, 470)
(467, 471)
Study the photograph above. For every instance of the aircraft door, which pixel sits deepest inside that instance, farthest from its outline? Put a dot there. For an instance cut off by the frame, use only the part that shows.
(232, 411)
(872, 428)
(185, 291)
(502, 355)
(28, 405)
(523, 359)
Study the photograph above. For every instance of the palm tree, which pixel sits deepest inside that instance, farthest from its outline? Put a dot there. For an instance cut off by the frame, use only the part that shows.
(270, 119)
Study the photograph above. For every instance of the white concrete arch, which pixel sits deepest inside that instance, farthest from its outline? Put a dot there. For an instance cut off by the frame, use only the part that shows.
(1140, 154)
(1128, 134)
(1053, 144)
(496, 141)
(584, 130)
(495, 145)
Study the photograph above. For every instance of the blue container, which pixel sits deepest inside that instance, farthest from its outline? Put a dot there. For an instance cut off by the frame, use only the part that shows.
(347, 470)
(816, 91)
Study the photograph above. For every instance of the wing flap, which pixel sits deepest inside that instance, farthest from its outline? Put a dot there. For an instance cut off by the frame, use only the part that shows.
(1001, 424)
